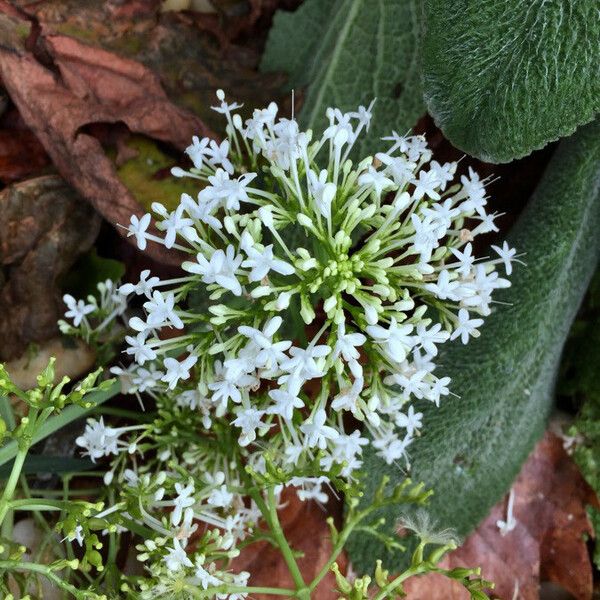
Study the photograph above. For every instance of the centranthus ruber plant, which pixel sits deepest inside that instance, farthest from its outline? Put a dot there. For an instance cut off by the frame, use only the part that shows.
(327, 286)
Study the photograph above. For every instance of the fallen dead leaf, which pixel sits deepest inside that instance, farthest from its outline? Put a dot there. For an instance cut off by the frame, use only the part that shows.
(93, 85)
(547, 543)
(307, 532)
(44, 226)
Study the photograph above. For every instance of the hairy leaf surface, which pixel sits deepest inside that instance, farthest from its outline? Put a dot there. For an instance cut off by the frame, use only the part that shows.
(504, 78)
(347, 53)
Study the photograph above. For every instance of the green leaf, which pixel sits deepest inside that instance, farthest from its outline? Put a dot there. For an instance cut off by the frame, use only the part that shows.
(89, 270)
(48, 464)
(349, 52)
(473, 446)
(502, 79)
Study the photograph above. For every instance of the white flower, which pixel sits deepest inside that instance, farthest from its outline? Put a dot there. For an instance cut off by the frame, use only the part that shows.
(443, 173)
(396, 338)
(197, 151)
(98, 440)
(218, 154)
(391, 448)
(506, 255)
(284, 404)
(221, 269)
(138, 346)
(161, 311)
(263, 261)
(347, 343)
(178, 370)
(444, 289)
(465, 258)
(137, 227)
(177, 557)
(220, 497)
(248, 420)
(270, 354)
(428, 338)
(426, 185)
(183, 500)
(323, 191)
(410, 421)
(77, 309)
(316, 432)
(144, 286)
(466, 327)
(376, 180)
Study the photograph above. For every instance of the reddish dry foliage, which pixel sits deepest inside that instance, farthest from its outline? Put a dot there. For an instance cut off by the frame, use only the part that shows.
(547, 544)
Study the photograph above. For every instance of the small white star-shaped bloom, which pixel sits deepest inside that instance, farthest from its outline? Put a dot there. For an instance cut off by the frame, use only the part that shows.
(138, 346)
(487, 224)
(224, 388)
(144, 286)
(176, 370)
(177, 557)
(426, 185)
(98, 440)
(147, 379)
(475, 191)
(426, 238)
(175, 223)
(270, 353)
(376, 180)
(249, 420)
(417, 148)
(206, 579)
(77, 309)
(316, 432)
(161, 310)
(322, 191)
(218, 154)
(442, 214)
(428, 338)
(396, 338)
(197, 150)
(303, 364)
(506, 255)
(183, 500)
(465, 258)
(338, 122)
(263, 261)
(411, 421)
(201, 211)
(364, 115)
(284, 404)
(444, 173)
(413, 384)
(399, 167)
(444, 289)
(391, 448)
(138, 228)
(219, 269)
(220, 497)
(225, 108)
(401, 142)
(347, 398)
(293, 453)
(347, 343)
(466, 326)
(438, 389)
(347, 446)
(310, 488)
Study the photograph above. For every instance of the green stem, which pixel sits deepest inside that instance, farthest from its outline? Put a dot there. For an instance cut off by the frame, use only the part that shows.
(396, 583)
(210, 593)
(270, 514)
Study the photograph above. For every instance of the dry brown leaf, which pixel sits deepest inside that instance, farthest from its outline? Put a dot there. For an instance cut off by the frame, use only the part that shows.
(44, 226)
(94, 86)
(547, 544)
(307, 532)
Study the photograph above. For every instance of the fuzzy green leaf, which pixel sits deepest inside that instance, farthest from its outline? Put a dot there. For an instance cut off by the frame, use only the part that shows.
(349, 52)
(473, 446)
(504, 78)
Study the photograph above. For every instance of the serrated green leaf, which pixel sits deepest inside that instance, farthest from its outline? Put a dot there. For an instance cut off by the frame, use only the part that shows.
(473, 446)
(502, 79)
(348, 52)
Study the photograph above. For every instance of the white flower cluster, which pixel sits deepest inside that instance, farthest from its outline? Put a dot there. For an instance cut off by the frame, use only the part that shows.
(376, 258)
(328, 287)
(94, 317)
